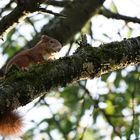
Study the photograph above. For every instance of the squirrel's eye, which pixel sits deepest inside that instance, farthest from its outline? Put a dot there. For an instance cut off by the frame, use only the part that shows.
(51, 41)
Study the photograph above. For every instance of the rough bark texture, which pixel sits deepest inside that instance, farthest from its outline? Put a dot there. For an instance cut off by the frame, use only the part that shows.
(18, 88)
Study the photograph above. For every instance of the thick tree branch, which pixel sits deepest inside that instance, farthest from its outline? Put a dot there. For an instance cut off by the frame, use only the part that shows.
(19, 88)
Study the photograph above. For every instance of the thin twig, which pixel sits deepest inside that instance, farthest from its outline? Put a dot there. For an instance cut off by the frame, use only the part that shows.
(29, 20)
(50, 12)
(56, 121)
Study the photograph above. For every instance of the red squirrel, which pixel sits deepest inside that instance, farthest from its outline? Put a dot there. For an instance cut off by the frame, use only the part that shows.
(42, 51)
(10, 121)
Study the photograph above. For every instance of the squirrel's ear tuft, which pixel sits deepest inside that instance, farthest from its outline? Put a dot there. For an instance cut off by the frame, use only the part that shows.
(44, 37)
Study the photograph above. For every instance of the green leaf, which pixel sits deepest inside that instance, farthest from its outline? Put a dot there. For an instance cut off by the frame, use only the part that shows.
(110, 110)
(113, 7)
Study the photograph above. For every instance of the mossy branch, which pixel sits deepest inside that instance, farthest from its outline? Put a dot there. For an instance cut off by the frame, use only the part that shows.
(20, 88)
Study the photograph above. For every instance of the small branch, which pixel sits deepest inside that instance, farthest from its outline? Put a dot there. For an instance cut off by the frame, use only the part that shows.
(110, 122)
(107, 13)
(58, 3)
(29, 20)
(50, 12)
(133, 111)
(56, 121)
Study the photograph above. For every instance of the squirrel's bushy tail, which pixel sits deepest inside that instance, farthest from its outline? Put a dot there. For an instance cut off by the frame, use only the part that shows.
(10, 123)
